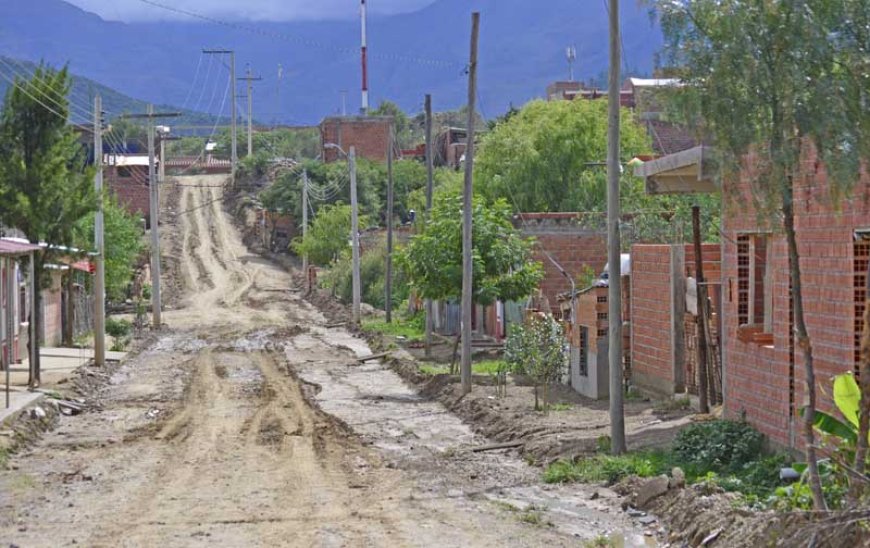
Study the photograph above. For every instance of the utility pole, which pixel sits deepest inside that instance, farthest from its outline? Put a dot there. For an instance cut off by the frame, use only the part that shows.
(388, 283)
(99, 244)
(354, 235)
(305, 218)
(155, 236)
(614, 259)
(467, 282)
(154, 204)
(429, 179)
(701, 318)
(250, 79)
(234, 155)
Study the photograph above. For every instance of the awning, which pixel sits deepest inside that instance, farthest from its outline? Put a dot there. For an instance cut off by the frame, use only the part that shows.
(16, 248)
(687, 172)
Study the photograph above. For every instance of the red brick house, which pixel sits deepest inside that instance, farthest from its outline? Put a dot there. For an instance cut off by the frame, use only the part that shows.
(763, 376)
(370, 135)
(126, 176)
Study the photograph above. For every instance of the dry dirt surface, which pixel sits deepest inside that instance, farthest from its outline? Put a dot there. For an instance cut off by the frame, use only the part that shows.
(246, 422)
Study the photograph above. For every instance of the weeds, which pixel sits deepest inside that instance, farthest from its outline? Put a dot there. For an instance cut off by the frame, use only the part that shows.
(561, 407)
(487, 367)
(410, 330)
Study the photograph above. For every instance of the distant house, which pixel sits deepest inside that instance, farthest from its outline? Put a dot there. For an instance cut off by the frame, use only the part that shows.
(126, 176)
(369, 135)
(644, 97)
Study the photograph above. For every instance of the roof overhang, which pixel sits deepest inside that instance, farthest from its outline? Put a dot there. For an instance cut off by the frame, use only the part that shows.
(687, 172)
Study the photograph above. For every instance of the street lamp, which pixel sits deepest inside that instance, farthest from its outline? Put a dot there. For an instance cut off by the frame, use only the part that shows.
(354, 226)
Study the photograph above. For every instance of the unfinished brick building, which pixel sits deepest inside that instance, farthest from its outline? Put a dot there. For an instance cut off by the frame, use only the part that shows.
(763, 375)
(369, 135)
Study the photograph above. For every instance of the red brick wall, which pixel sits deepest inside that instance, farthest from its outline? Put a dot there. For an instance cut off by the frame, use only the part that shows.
(569, 243)
(132, 192)
(369, 135)
(758, 377)
(652, 310)
(651, 345)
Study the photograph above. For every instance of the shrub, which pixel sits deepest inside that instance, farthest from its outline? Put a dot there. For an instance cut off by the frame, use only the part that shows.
(718, 446)
(118, 328)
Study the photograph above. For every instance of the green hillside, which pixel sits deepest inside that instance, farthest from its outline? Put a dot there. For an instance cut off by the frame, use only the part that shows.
(114, 103)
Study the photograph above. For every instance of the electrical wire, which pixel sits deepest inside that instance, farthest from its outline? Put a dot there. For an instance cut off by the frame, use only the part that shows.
(193, 83)
(297, 39)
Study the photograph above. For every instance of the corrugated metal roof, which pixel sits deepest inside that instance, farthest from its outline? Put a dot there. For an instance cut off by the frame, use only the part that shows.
(14, 248)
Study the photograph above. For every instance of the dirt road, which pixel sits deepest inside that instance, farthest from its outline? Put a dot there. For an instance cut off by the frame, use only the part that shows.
(217, 433)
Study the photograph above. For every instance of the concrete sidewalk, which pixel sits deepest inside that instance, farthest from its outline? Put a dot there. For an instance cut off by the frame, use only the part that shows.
(57, 365)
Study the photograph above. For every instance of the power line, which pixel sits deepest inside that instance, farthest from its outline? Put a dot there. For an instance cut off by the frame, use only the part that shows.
(297, 39)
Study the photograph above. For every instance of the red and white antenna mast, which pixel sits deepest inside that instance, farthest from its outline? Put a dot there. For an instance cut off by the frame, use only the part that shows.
(365, 68)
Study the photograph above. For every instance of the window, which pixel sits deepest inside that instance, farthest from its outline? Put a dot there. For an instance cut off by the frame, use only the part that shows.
(584, 352)
(861, 261)
(124, 173)
(755, 282)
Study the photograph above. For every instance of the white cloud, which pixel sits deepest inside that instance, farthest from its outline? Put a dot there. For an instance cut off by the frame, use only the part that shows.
(252, 10)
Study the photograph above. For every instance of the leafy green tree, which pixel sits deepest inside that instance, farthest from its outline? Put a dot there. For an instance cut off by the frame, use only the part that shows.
(502, 267)
(544, 157)
(123, 241)
(328, 235)
(45, 188)
(766, 78)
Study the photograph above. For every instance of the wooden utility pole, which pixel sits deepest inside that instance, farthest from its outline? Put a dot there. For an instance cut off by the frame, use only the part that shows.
(354, 235)
(429, 184)
(305, 218)
(250, 79)
(388, 282)
(234, 158)
(154, 204)
(701, 318)
(467, 282)
(99, 243)
(614, 258)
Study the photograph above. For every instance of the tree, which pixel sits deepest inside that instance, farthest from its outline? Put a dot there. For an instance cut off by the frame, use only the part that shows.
(123, 240)
(536, 349)
(45, 188)
(545, 157)
(328, 235)
(502, 266)
(764, 78)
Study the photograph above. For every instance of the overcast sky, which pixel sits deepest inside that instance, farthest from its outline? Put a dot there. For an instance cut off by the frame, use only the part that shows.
(264, 10)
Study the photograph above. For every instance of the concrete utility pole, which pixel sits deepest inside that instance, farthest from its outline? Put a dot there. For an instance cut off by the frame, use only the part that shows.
(154, 203)
(354, 234)
(614, 259)
(429, 179)
(467, 282)
(99, 244)
(250, 79)
(234, 157)
(388, 283)
(305, 218)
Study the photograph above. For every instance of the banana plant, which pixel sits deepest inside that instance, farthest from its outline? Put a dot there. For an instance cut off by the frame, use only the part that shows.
(847, 398)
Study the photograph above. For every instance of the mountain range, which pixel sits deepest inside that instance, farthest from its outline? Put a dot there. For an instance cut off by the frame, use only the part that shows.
(522, 49)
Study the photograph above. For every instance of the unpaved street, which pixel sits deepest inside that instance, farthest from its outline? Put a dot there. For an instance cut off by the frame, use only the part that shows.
(247, 423)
